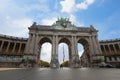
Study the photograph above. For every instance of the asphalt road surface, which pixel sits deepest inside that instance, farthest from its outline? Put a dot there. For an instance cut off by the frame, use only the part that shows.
(61, 74)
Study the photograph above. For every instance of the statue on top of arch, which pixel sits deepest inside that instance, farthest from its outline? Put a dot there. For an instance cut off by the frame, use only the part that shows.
(63, 22)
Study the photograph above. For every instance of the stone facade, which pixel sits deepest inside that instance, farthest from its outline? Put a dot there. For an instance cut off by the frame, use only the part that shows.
(12, 49)
(63, 31)
(111, 51)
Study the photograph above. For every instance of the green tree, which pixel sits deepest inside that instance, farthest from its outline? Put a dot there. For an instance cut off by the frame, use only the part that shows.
(44, 63)
(65, 64)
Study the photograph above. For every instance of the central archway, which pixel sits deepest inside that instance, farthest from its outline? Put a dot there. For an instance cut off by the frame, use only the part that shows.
(66, 42)
(63, 54)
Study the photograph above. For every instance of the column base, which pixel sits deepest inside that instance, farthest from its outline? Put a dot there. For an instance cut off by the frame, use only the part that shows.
(54, 62)
(76, 61)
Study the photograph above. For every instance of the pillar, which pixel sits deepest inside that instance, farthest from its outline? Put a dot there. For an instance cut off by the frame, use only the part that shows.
(56, 44)
(28, 45)
(1, 46)
(54, 57)
(72, 46)
(98, 45)
(91, 48)
(109, 49)
(32, 46)
(104, 49)
(118, 45)
(95, 45)
(13, 50)
(36, 42)
(75, 56)
(38, 56)
(8, 47)
(76, 46)
(114, 49)
(20, 48)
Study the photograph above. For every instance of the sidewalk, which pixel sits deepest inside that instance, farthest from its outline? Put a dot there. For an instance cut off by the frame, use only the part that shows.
(3, 69)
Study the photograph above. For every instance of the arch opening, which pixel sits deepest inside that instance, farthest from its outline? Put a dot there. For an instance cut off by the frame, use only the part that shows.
(64, 52)
(80, 49)
(45, 51)
(84, 52)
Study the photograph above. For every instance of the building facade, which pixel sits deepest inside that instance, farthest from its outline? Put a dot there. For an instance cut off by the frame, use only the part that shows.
(13, 49)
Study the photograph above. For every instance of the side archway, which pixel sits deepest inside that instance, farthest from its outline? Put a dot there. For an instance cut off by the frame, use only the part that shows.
(45, 48)
(85, 56)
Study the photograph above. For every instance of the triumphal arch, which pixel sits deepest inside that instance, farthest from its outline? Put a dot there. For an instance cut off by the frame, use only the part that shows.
(63, 31)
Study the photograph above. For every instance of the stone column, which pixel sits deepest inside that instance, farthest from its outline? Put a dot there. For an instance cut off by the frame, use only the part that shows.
(114, 49)
(20, 48)
(36, 42)
(76, 47)
(53, 45)
(91, 49)
(109, 49)
(28, 45)
(72, 46)
(98, 45)
(35, 47)
(7, 47)
(54, 57)
(75, 56)
(95, 45)
(13, 50)
(1, 46)
(91, 46)
(104, 49)
(56, 45)
(39, 55)
(32, 47)
(118, 45)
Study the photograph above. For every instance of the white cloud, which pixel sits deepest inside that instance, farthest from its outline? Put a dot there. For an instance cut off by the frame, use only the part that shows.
(67, 5)
(15, 27)
(89, 1)
(46, 52)
(75, 21)
(48, 21)
(70, 6)
(84, 5)
(80, 53)
(24, 22)
(15, 18)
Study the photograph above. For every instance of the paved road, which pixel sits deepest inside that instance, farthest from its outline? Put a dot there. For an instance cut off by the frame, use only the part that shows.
(61, 74)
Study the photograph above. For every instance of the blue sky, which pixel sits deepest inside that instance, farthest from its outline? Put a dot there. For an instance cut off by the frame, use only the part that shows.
(17, 15)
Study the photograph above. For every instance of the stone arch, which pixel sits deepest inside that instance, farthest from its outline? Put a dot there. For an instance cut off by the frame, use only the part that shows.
(83, 41)
(86, 53)
(43, 40)
(68, 42)
(65, 40)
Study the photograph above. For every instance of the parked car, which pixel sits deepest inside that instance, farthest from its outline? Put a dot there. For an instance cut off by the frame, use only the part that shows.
(106, 66)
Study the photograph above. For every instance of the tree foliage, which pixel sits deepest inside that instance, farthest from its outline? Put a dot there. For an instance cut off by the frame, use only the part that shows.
(44, 63)
(65, 64)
